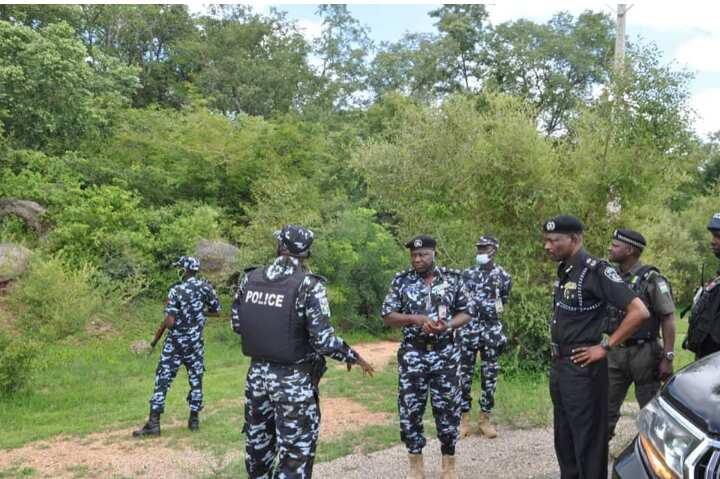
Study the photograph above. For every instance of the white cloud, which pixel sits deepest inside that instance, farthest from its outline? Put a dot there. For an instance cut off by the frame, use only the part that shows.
(661, 15)
(706, 104)
(700, 53)
(310, 29)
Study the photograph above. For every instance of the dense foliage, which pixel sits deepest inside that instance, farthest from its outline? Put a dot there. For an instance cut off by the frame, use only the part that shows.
(143, 129)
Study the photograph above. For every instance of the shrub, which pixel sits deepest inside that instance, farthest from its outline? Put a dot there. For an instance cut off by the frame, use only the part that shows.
(17, 361)
(52, 301)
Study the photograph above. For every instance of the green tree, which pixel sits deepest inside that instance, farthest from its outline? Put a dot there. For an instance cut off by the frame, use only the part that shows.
(463, 29)
(146, 37)
(50, 96)
(250, 63)
(555, 66)
(343, 47)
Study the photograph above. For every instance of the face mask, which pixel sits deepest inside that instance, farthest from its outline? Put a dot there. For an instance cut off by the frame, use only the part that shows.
(482, 259)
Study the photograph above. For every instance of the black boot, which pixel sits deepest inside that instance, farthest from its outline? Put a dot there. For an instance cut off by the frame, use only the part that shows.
(194, 421)
(151, 427)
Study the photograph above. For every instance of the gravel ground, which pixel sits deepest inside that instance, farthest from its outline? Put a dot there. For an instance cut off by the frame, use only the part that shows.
(516, 453)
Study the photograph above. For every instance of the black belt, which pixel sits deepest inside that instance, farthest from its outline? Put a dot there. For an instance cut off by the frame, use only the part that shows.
(431, 343)
(559, 351)
(636, 342)
(306, 367)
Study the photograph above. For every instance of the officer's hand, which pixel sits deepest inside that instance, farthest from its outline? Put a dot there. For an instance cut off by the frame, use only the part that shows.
(366, 366)
(665, 370)
(588, 355)
(421, 320)
(433, 327)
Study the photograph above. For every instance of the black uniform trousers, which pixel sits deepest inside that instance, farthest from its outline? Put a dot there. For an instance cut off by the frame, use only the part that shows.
(580, 407)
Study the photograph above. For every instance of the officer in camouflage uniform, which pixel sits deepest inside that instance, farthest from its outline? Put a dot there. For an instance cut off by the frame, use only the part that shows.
(283, 316)
(429, 303)
(185, 319)
(488, 286)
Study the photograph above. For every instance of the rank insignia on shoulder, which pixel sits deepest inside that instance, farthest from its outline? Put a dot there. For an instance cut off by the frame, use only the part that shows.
(663, 287)
(591, 262)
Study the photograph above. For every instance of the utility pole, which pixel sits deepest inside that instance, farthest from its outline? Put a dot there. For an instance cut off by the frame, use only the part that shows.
(622, 10)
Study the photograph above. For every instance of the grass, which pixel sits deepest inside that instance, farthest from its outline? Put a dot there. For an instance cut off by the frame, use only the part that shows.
(98, 384)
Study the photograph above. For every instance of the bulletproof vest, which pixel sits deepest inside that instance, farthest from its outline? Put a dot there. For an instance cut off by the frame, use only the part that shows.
(639, 282)
(269, 324)
(705, 315)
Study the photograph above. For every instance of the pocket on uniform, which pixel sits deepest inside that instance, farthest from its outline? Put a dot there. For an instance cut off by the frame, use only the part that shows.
(295, 388)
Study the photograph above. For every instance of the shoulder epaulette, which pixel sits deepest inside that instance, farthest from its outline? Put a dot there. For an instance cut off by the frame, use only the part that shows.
(322, 279)
(404, 272)
(593, 262)
(450, 270)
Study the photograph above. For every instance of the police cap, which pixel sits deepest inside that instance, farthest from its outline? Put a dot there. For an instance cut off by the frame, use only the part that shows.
(421, 241)
(295, 239)
(188, 263)
(565, 224)
(714, 224)
(488, 241)
(633, 238)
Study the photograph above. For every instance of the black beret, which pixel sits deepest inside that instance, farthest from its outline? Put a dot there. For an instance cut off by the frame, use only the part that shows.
(714, 224)
(488, 241)
(633, 238)
(421, 241)
(565, 224)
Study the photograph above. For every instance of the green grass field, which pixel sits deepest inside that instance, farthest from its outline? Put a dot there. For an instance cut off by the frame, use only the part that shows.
(99, 385)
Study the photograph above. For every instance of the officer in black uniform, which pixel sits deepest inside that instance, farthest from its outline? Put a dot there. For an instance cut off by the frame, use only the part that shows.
(283, 315)
(703, 336)
(641, 359)
(579, 377)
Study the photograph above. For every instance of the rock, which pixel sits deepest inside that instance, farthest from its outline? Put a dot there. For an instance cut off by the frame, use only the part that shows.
(13, 261)
(140, 347)
(218, 261)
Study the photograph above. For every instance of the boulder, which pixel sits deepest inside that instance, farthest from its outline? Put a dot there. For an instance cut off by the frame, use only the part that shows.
(13, 261)
(218, 261)
(140, 347)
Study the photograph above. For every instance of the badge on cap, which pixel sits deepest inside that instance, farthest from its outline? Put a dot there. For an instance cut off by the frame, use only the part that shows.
(417, 243)
(550, 226)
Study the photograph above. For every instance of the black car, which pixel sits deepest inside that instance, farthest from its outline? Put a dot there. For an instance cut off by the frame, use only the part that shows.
(679, 430)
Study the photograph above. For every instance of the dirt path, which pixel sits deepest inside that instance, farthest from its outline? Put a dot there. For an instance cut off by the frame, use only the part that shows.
(516, 453)
(113, 454)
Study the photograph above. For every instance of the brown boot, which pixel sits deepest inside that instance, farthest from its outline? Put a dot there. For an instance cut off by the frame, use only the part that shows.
(448, 468)
(417, 470)
(486, 427)
(464, 425)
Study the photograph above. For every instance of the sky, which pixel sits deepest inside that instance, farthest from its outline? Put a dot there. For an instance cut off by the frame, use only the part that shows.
(688, 34)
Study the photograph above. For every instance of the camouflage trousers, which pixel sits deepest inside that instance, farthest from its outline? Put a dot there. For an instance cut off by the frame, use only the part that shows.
(421, 371)
(282, 419)
(490, 345)
(187, 350)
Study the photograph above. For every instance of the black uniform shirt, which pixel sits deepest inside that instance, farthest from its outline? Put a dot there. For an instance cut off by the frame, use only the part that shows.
(584, 286)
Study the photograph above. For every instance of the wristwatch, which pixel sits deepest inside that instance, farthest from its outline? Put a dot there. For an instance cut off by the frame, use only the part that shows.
(670, 355)
(605, 343)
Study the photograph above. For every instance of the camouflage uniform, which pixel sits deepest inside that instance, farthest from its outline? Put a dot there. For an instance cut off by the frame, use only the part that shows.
(184, 342)
(488, 291)
(282, 412)
(423, 366)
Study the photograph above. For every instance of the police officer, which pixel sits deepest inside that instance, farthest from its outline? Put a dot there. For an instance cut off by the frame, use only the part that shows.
(428, 302)
(703, 336)
(185, 320)
(578, 377)
(640, 359)
(488, 286)
(283, 316)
